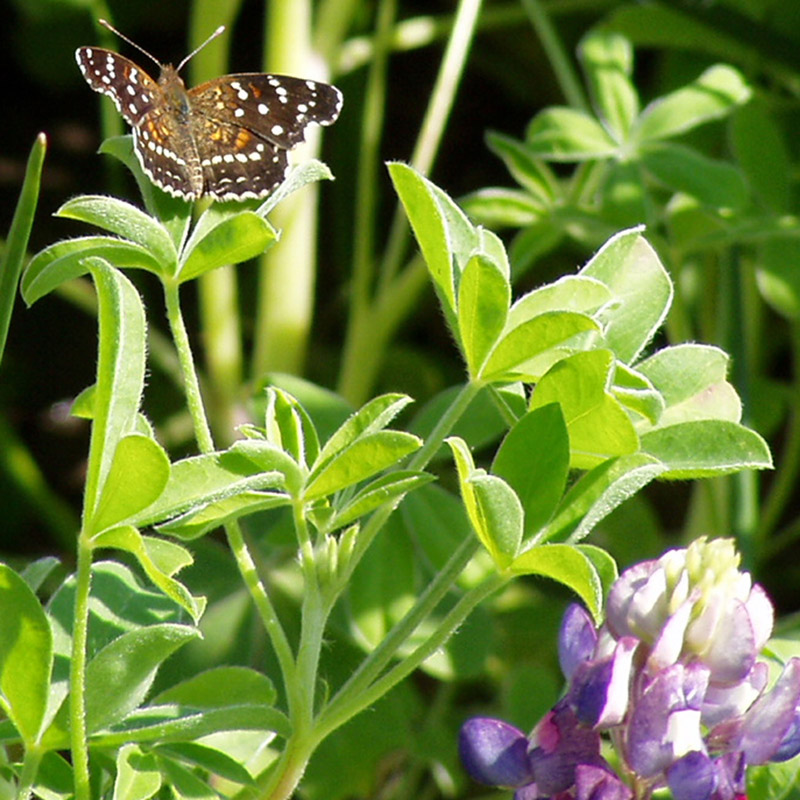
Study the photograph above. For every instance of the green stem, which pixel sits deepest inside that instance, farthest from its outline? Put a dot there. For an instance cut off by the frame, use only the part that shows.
(560, 61)
(194, 399)
(264, 607)
(354, 698)
(77, 673)
(418, 461)
(343, 705)
(30, 768)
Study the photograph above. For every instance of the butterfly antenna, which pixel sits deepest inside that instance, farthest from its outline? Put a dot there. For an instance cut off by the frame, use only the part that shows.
(122, 36)
(213, 36)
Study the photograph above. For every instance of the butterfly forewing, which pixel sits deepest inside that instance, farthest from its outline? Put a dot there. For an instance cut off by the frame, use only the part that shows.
(277, 108)
(133, 91)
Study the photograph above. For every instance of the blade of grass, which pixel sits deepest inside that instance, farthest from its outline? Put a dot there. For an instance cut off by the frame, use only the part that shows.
(20, 231)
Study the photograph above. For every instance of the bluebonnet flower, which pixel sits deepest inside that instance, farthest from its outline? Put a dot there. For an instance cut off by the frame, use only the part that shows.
(672, 679)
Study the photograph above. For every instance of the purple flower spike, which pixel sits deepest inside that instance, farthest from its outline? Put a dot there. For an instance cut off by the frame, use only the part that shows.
(577, 639)
(692, 777)
(494, 752)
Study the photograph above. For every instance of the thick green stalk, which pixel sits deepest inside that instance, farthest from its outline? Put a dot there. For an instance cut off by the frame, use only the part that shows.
(368, 335)
(287, 273)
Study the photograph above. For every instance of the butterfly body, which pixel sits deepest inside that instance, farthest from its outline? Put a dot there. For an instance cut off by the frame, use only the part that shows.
(227, 138)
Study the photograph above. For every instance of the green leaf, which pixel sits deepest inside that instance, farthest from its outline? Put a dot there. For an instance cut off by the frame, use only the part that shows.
(570, 293)
(631, 269)
(567, 565)
(300, 175)
(184, 783)
(172, 723)
(201, 480)
(138, 776)
(692, 380)
(289, 427)
(369, 454)
(713, 95)
(16, 243)
(532, 338)
(637, 393)
(501, 208)
(269, 459)
(604, 565)
(527, 170)
(26, 656)
(200, 521)
(716, 184)
(428, 225)
(242, 685)
(778, 277)
(534, 460)
(484, 294)
(501, 517)
(69, 259)
(120, 373)
(125, 220)
(130, 540)
(494, 511)
(564, 134)
(386, 489)
(174, 213)
(599, 428)
(761, 150)
(238, 238)
(608, 62)
(138, 474)
(129, 663)
(705, 448)
(626, 201)
(370, 418)
(207, 758)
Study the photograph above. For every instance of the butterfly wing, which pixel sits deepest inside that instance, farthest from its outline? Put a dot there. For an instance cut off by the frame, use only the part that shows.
(275, 108)
(133, 91)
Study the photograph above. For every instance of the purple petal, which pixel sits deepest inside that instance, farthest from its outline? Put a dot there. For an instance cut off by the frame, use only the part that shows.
(728, 702)
(634, 597)
(772, 718)
(731, 777)
(669, 643)
(560, 743)
(576, 639)
(762, 614)
(598, 783)
(600, 690)
(731, 647)
(665, 722)
(692, 777)
(494, 752)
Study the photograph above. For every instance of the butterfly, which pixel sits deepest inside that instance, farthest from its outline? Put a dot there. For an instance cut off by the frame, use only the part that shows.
(227, 138)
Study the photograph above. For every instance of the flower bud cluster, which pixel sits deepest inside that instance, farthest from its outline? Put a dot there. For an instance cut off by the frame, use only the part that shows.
(672, 679)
